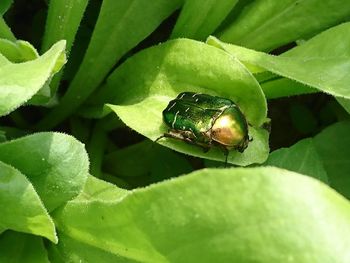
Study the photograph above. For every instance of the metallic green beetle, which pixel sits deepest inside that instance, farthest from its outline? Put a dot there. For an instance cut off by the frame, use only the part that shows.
(206, 120)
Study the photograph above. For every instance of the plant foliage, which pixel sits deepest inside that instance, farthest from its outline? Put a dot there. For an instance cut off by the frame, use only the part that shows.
(82, 88)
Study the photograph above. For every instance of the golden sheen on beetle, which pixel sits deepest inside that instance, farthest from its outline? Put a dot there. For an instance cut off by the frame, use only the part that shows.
(206, 121)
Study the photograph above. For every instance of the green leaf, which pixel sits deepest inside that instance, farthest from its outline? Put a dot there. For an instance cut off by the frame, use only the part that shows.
(16, 247)
(111, 39)
(325, 157)
(18, 51)
(19, 82)
(71, 250)
(302, 157)
(322, 62)
(63, 20)
(98, 190)
(20, 206)
(150, 79)
(4, 6)
(345, 103)
(214, 215)
(265, 25)
(279, 87)
(146, 159)
(56, 164)
(208, 16)
(333, 146)
(5, 31)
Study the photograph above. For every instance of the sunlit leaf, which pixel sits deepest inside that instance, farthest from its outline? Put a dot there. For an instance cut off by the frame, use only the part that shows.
(148, 81)
(21, 81)
(21, 207)
(209, 15)
(268, 24)
(213, 215)
(56, 164)
(322, 62)
(302, 158)
(121, 25)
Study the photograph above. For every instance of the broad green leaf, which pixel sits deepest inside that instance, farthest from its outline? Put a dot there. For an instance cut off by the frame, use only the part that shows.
(5, 31)
(19, 51)
(146, 159)
(322, 62)
(281, 87)
(302, 157)
(62, 22)
(268, 24)
(18, 248)
(208, 16)
(325, 157)
(4, 6)
(20, 206)
(20, 81)
(333, 146)
(56, 164)
(345, 103)
(121, 25)
(71, 250)
(149, 80)
(214, 215)
(96, 189)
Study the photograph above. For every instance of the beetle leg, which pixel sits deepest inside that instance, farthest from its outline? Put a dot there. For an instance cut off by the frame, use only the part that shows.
(186, 137)
(239, 149)
(177, 135)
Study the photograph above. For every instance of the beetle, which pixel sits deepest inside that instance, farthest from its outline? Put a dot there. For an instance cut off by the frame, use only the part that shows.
(206, 121)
